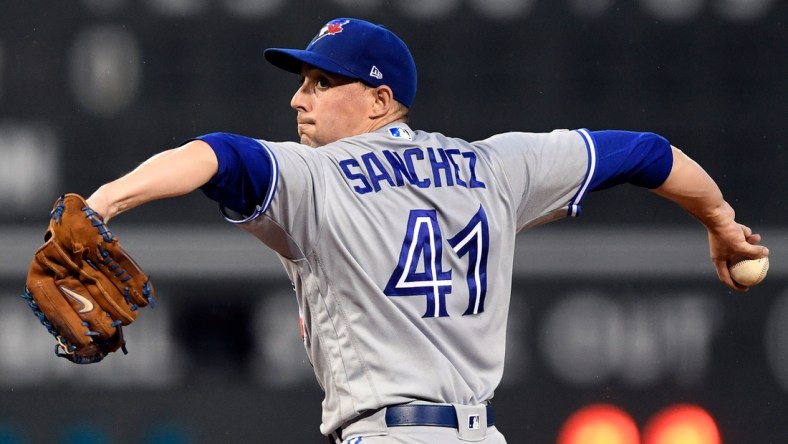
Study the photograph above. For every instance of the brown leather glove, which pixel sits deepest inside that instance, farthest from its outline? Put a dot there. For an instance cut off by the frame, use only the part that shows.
(82, 285)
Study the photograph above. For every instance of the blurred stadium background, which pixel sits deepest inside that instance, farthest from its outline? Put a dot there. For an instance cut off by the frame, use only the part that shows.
(620, 307)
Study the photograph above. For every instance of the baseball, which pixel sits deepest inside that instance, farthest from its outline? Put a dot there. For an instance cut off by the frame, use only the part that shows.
(749, 272)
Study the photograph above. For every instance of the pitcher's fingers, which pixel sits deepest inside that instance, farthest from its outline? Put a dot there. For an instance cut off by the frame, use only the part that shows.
(724, 275)
(746, 230)
(754, 238)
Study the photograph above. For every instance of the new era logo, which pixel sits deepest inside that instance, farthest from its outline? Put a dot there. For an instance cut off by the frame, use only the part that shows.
(375, 72)
(473, 422)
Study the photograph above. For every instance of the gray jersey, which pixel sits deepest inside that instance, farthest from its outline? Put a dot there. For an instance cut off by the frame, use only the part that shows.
(400, 245)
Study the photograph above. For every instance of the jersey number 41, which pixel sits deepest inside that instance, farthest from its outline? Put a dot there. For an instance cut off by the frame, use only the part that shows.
(420, 272)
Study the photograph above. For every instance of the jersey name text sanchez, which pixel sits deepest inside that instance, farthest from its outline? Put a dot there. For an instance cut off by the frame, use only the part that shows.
(449, 167)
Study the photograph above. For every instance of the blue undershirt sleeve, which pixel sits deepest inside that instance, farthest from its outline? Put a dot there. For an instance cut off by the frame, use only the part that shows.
(245, 171)
(642, 159)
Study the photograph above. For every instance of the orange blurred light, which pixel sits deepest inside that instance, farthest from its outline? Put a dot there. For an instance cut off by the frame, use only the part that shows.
(599, 424)
(681, 424)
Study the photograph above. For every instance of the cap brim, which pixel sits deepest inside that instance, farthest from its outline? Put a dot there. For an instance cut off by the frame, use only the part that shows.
(292, 60)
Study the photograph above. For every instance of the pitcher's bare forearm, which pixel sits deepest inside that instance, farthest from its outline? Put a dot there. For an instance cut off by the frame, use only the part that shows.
(693, 189)
(170, 173)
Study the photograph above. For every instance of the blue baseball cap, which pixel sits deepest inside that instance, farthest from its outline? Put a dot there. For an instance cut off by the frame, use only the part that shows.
(359, 50)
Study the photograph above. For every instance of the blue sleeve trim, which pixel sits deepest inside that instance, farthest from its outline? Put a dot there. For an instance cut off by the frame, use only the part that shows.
(642, 159)
(259, 209)
(247, 177)
(577, 200)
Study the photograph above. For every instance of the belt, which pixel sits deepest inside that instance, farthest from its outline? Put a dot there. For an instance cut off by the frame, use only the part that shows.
(427, 415)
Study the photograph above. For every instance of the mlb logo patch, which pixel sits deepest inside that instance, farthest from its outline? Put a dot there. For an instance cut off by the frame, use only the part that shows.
(474, 422)
(400, 133)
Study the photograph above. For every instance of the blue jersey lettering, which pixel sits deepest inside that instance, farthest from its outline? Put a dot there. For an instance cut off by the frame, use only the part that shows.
(449, 167)
(475, 182)
(345, 165)
(410, 154)
(438, 166)
(399, 167)
(376, 171)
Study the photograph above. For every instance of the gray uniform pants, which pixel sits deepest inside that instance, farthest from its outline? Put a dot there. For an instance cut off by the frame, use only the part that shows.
(373, 429)
(425, 435)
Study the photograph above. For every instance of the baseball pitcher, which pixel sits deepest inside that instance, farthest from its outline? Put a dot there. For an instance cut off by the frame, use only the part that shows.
(399, 242)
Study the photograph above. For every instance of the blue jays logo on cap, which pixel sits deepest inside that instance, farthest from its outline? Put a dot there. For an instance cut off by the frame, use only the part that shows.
(332, 28)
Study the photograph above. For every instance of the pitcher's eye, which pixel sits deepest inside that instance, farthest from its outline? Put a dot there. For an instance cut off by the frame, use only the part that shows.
(323, 82)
